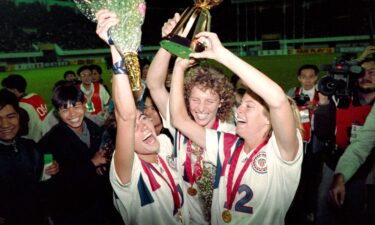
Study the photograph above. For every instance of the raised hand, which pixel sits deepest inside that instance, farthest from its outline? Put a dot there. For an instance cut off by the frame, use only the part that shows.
(106, 20)
(169, 25)
(213, 46)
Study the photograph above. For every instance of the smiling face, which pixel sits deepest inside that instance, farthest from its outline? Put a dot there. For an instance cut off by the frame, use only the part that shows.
(203, 106)
(72, 116)
(146, 141)
(307, 78)
(9, 123)
(252, 118)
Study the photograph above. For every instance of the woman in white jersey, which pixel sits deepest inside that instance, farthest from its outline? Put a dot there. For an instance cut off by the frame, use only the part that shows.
(257, 171)
(209, 97)
(147, 190)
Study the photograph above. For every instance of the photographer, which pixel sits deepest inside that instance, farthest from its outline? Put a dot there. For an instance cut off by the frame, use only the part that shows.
(306, 98)
(335, 126)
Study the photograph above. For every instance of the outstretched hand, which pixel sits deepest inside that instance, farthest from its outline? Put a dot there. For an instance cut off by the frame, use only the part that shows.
(213, 46)
(106, 20)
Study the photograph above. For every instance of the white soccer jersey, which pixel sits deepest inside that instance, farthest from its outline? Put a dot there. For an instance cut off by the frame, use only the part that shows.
(139, 204)
(267, 187)
(195, 205)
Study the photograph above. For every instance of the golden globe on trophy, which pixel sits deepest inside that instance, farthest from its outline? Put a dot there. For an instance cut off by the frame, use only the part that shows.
(198, 15)
(126, 35)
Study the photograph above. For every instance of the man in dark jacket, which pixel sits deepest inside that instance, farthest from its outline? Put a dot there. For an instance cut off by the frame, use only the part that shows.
(21, 166)
(77, 191)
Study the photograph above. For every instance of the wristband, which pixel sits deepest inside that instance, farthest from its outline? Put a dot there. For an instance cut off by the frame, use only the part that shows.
(119, 68)
(110, 41)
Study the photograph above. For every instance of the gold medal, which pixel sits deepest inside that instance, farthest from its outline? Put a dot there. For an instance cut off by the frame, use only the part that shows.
(192, 191)
(227, 216)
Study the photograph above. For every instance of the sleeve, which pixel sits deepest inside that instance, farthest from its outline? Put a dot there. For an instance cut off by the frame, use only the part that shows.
(167, 122)
(357, 152)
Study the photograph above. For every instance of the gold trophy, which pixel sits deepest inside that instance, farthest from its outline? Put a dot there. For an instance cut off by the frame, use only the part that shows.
(177, 42)
(126, 35)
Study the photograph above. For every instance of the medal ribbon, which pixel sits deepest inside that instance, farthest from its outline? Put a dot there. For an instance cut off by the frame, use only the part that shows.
(231, 192)
(171, 184)
(197, 166)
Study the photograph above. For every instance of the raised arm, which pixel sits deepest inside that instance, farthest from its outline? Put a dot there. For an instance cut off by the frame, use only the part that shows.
(125, 109)
(281, 114)
(179, 115)
(158, 70)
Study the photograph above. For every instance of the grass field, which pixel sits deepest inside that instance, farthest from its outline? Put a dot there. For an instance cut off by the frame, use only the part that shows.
(282, 69)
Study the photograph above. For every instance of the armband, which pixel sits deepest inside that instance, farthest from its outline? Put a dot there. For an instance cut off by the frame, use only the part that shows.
(119, 68)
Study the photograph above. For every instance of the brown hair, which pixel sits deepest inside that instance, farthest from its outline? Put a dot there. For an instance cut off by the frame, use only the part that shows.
(208, 77)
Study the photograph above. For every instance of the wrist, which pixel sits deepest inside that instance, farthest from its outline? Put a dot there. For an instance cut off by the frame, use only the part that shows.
(339, 178)
(119, 68)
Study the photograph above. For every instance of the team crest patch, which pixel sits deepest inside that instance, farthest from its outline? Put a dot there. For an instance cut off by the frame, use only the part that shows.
(171, 161)
(259, 163)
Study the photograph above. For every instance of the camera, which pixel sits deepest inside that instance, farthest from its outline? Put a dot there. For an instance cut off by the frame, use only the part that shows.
(301, 99)
(342, 74)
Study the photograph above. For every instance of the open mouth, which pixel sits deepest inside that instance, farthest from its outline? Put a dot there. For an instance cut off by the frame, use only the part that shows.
(148, 138)
(201, 116)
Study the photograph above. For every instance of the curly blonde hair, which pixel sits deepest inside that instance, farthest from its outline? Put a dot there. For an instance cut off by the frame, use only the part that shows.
(207, 77)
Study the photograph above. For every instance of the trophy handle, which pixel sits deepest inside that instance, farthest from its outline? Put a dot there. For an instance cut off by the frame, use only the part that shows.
(188, 17)
(204, 22)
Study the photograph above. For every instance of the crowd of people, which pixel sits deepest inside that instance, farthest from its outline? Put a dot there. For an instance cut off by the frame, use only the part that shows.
(190, 147)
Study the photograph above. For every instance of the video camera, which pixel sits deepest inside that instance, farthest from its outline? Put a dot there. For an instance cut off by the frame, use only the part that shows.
(341, 77)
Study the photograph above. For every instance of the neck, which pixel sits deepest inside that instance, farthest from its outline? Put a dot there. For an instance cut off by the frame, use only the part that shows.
(252, 143)
(368, 97)
(211, 123)
(150, 158)
(87, 86)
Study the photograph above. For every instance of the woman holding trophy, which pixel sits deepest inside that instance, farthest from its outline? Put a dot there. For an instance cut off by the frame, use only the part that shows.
(147, 190)
(257, 171)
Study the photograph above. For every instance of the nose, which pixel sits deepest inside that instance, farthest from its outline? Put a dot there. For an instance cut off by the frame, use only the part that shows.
(201, 106)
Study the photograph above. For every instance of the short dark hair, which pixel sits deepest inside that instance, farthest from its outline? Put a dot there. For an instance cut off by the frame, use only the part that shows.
(82, 68)
(8, 98)
(15, 81)
(97, 68)
(308, 66)
(65, 94)
(69, 72)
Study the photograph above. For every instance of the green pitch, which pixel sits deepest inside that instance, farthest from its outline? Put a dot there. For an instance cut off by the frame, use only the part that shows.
(282, 69)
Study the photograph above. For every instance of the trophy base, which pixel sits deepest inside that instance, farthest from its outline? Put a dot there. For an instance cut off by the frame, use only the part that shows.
(181, 47)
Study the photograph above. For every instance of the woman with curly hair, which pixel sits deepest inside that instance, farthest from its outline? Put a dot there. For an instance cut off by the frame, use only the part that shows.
(209, 99)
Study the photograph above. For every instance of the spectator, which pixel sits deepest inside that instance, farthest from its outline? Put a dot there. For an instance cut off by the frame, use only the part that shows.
(307, 99)
(96, 97)
(74, 143)
(335, 127)
(97, 72)
(21, 167)
(354, 156)
(34, 105)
